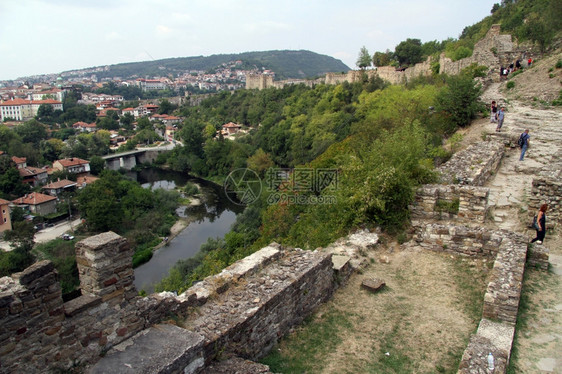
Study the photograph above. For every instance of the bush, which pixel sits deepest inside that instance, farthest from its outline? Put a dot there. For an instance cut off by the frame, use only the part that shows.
(191, 189)
(510, 85)
(558, 64)
(459, 101)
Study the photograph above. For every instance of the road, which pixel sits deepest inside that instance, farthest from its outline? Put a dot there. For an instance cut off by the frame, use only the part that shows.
(48, 233)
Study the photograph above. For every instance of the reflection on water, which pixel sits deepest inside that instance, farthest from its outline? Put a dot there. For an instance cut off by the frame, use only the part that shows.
(212, 218)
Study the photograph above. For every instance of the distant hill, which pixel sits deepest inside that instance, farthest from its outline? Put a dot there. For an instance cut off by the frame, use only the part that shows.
(285, 64)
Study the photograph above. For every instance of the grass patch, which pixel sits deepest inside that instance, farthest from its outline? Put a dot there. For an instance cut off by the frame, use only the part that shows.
(302, 351)
(61, 253)
(452, 207)
(471, 282)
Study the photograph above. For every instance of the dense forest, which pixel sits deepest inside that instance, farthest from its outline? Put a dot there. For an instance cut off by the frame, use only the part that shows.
(378, 142)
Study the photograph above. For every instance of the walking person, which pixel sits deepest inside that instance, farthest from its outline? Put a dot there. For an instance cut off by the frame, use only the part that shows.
(541, 222)
(524, 143)
(501, 115)
(493, 112)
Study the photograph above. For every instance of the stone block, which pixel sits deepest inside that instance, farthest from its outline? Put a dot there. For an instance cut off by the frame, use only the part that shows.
(75, 306)
(34, 272)
(161, 349)
(373, 284)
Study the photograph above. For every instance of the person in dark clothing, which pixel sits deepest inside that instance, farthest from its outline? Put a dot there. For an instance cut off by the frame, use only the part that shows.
(541, 221)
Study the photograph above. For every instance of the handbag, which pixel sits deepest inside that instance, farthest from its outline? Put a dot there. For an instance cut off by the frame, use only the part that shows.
(535, 224)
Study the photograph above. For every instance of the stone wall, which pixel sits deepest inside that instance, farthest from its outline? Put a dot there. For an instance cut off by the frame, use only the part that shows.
(547, 190)
(494, 50)
(243, 310)
(40, 331)
(473, 165)
(451, 202)
(464, 240)
(501, 301)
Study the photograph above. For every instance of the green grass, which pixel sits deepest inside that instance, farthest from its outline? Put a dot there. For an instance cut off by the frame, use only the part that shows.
(302, 351)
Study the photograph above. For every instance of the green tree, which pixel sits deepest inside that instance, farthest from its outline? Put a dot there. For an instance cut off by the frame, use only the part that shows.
(97, 164)
(260, 162)
(459, 101)
(409, 52)
(364, 59)
(166, 107)
(538, 31)
(32, 132)
(382, 58)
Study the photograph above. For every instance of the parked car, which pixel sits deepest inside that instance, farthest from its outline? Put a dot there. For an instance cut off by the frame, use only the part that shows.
(67, 237)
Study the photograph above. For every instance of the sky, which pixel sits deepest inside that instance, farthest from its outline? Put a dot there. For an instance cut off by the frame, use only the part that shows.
(51, 36)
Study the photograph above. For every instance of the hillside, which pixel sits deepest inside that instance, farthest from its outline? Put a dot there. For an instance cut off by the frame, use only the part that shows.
(285, 64)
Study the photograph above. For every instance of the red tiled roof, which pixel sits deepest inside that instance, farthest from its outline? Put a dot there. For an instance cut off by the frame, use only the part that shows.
(46, 101)
(34, 198)
(89, 179)
(19, 160)
(84, 124)
(4, 202)
(30, 171)
(60, 184)
(15, 102)
(66, 162)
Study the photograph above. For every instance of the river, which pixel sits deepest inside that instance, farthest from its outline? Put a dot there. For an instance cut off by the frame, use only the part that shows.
(212, 218)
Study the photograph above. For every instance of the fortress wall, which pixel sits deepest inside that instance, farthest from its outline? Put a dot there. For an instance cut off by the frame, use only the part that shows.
(270, 291)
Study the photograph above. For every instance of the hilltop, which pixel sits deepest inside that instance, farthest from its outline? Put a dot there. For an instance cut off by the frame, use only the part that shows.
(285, 64)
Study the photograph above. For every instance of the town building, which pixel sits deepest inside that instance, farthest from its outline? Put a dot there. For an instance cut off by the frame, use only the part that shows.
(85, 127)
(56, 188)
(22, 109)
(5, 221)
(231, 128)
(73, 165)
(30, 175)
(151, 84)
(37, 203)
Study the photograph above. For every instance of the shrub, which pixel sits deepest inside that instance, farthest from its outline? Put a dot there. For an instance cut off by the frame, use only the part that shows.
(191, 189)
(558, 64)
(510, 85)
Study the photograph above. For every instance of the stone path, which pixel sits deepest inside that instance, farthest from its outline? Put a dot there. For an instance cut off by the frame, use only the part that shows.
(540, 343)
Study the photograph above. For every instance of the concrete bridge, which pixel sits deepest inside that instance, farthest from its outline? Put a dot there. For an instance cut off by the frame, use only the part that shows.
(128, 160)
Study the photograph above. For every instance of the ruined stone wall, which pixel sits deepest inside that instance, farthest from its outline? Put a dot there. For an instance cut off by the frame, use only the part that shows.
(39, 331)
(547, 190)
(494, 50)
(242, 310)
(469, 241)
(474, 165)
(501, 301)
(436, 201)
(250, 319)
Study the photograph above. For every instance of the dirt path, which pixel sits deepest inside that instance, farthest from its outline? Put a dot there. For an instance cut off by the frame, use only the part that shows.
(538, 343)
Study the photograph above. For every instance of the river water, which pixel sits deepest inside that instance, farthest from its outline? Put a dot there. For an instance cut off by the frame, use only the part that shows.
(212, 218)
